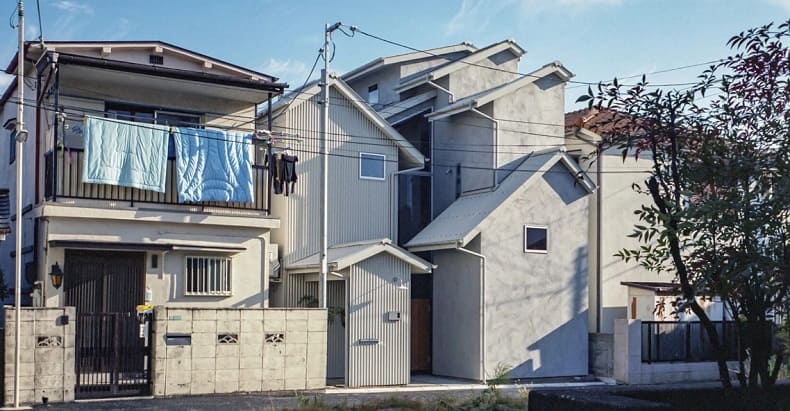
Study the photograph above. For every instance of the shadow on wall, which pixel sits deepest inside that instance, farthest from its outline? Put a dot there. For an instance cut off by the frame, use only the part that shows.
(558, 178)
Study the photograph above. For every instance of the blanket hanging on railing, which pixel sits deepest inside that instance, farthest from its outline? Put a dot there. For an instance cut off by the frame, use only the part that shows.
(124, 153)
(213, 165)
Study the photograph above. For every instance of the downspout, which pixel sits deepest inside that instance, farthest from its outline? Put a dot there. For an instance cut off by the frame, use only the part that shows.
(495, 151)
(394, 199)
(482, 307)
(598, 246)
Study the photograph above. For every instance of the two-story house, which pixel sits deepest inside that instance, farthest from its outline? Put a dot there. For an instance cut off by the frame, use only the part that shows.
(500, 208)
(107, 248)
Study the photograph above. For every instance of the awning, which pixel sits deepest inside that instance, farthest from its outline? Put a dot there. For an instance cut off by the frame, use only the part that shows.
(657, 287)
(342, 256)
(118, 246)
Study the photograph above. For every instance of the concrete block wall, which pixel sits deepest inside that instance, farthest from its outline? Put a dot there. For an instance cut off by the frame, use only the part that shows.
(238, 350)
(629, 368)
(46, 355)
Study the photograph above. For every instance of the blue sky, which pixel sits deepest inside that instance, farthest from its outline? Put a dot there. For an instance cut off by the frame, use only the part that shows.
(596, 39)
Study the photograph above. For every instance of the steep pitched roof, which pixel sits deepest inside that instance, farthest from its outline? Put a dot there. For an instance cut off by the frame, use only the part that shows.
(342, 256)
(402, 58)
(154, 45)
(450, 67)
(293, 100)
(465, 217)
(487, 96)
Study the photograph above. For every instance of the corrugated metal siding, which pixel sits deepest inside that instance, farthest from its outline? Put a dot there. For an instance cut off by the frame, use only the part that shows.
(298, 287)
(372, 293)
(358, 209)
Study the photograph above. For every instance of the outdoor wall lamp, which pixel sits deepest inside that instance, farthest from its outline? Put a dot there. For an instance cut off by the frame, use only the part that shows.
(56, 275)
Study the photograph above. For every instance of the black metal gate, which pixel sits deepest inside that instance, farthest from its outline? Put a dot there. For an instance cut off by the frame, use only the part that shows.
(113, 346)
(113, 355)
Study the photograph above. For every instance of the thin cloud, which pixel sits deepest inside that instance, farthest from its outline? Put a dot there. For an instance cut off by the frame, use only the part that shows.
(73, 6)
(473, 16)
(291, 71)
(783, 4)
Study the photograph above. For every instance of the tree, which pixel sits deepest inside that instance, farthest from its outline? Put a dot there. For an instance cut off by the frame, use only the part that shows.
(719, 189)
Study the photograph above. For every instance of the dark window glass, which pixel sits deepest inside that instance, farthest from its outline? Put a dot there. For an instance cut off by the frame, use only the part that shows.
(12, 148)
(537, 239)
(371, 166)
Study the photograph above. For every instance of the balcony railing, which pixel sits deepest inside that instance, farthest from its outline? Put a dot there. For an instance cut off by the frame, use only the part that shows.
(63, 179)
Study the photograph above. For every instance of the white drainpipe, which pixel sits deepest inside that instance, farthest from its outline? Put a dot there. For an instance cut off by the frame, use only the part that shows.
(495, 152)
(451, 97)
(482, 308)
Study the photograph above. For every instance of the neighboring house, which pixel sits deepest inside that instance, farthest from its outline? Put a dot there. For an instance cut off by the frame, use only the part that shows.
(368, 286)
(495, 176)
(107, 249)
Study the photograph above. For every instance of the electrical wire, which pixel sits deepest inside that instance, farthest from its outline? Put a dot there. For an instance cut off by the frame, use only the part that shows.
(40, 25)
(585, 83)
(355, 153)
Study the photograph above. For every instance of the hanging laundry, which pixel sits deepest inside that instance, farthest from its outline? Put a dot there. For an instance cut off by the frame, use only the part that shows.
(289, 172)
(213, 165)
(273, 165)
(125, 153)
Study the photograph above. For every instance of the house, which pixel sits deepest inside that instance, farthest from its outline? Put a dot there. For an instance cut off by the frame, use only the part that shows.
(497, 183)
(368, 286)
(104, 254)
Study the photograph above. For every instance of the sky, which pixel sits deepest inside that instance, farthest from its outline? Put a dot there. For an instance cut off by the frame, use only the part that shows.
(595, 39)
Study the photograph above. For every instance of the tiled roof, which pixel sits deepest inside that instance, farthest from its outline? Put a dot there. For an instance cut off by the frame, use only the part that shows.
(593, 119)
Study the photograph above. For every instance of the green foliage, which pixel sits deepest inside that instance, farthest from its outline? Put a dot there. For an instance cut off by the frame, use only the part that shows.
(719, 186)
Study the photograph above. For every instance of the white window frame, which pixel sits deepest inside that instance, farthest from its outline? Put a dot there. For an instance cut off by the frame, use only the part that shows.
(206, 283)
(383, 163)
(542, 227)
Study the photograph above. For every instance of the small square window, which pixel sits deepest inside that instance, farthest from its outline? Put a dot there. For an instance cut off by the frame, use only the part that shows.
(536, 239)
(207, 275)
(373, 94)
(372, 166)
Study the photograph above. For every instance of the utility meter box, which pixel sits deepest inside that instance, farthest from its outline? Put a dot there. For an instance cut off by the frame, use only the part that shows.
(393, 316)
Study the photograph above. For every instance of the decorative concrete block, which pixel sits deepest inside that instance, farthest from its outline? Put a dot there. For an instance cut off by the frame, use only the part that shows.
(272, 384)
(274, 325)
(200, 314)
(228, 315)
(251, 326)
(248, 350)
(296, 325)
(252, 314)
(295, 384)
(203, 364)
(204, 326)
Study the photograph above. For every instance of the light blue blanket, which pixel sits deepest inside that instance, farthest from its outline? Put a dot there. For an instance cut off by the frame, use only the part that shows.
(213, 165)
(124, 153)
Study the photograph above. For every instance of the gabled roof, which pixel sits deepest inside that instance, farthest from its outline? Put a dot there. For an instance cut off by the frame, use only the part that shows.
(293, 100)
(445, 69)
(5, 213)
(402, 58)
(398, 107)
(464, 219)
(342, 256)
(155, 46)
(487, 96)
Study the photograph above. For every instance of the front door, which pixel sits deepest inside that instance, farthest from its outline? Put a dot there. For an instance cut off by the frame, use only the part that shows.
(421, 335)
(113, 350)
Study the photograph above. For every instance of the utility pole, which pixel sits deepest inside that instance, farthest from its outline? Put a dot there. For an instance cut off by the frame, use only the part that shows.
(324, 149)
(21, 136)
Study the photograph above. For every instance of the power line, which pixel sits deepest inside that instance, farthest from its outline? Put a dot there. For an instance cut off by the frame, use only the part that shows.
(40, 25)
(356, 157)
(395, 43)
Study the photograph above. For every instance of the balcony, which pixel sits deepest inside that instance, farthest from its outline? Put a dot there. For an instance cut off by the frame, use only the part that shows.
(63, 180)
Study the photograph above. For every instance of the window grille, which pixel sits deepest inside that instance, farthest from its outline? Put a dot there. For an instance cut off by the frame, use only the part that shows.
(207, 275)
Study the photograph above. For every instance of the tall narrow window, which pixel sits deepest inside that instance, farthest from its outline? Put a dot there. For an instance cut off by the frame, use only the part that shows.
(373, 94)
(12, 148)
(206, 275)
(536, 239)
(372, 166)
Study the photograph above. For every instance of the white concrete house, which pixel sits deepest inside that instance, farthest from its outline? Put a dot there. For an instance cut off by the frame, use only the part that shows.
(368, 289)
(496, 178)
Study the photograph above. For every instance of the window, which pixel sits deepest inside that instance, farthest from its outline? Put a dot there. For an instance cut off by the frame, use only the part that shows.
(373, 94)
(12, 147)
(151, 115)
(207, 275)
(372, 166)
(536, 239)
(155, 59)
